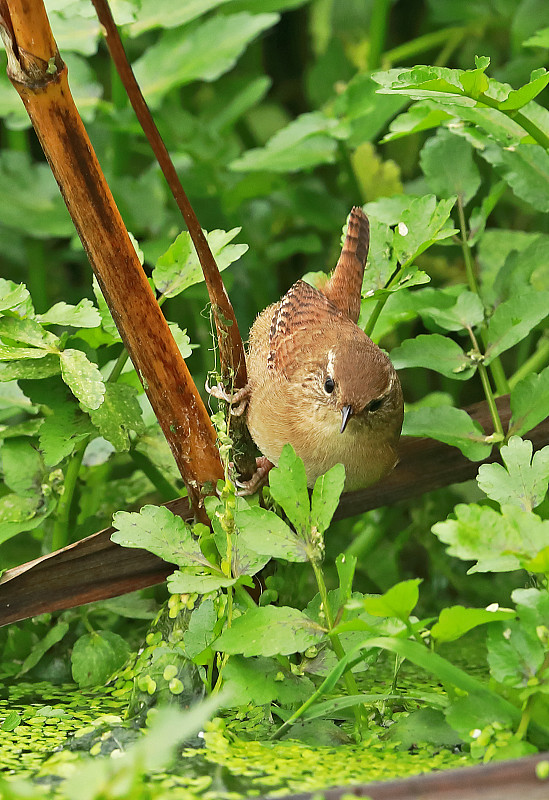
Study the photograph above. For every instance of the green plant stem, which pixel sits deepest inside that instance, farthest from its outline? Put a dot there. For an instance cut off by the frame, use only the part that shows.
(498, 428)
(421, 44)
(60, 536)
(348, 677)
(466, 250)
(517, 116)
(118, 366)
(378, 31)
(537, 361)
(496, 366)
(374, 316)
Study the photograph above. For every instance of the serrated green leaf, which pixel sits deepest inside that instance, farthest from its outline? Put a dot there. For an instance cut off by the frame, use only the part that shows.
(520, 97)
(201, 631)
(288, 484)
(523, 481)
(15, 353)
(264, 532)
(450, 425)
(447, 163)
(18, 514)
(515, 653)
(62, 432)
(455, 621)
(529, 402)
(419, 117)
(436, 352)
(179, 267)
(82, 377)
(197, 53)
(32, 368)
(399, 601)
(156, 529)
(525, 167)
(83, 315)
(27, 331)
(118, 414)
(270, 631)
(513, 320)
(107, 321)
(498, 542)
(309, 140)
(325, 497)
(13, 296)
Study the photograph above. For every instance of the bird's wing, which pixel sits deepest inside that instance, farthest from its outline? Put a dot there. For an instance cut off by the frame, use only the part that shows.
(299, 320)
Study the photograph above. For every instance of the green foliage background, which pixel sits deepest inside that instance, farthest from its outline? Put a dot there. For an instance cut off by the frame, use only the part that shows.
(280, 115)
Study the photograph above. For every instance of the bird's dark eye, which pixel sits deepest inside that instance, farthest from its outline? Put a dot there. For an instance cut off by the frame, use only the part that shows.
(375, 404)
(329, 385)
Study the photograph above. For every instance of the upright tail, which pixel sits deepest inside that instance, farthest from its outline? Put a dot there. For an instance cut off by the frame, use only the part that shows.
(345, 284)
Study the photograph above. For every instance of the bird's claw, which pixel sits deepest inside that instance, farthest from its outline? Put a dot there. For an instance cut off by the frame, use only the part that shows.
(237, 401)
(258, 479)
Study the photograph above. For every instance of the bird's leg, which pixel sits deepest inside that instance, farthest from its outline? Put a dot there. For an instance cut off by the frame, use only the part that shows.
(237, 401)
(258, 479)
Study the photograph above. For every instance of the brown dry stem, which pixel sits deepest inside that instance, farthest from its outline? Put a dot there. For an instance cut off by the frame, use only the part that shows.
(38, 73)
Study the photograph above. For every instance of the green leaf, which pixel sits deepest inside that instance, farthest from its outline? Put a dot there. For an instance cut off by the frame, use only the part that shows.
(325, 498)
(467, 312)
(525, 167)
(427, 725)
(513, 320)
(399, 601)
(346, 565)
(267, 534)
(179, 267)
(197, 53)
(118, 414)
(529, 402)
(83, 315)
(61, 432)
(82, 377)
(523, 481)
(421, 224)
(163, 14)
(11, 721)
(96, 656)
(181, 339)
(520, 97)
(190, 581)
(32, 368)
(15, 297)
(498, 542)
(22, 466)
(27, 331)
(419, 117)
(434, 352)
(515, 653)
(261, 681)
(450, 425)
(447, 163)
(52, 637)
(19, 514)
(35, 205)
(455, 621)
(288, 484)
(201, 631)
(309, 140)
(270, 631)
(156, 529)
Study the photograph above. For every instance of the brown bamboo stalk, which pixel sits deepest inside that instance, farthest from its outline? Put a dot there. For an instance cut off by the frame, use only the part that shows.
(38, 73)
(231, 350)
(96, 568)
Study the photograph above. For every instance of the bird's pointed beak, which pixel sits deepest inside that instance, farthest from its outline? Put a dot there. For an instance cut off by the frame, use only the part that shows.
(346, 413)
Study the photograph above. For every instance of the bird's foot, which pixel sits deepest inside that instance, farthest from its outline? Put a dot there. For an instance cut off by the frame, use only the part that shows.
(237, 401)
(258, 479)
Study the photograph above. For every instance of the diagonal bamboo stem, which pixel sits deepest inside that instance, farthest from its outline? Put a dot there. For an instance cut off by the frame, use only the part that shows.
(38, 73)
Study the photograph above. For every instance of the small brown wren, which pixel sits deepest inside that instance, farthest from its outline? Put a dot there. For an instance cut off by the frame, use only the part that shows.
(317, 381)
